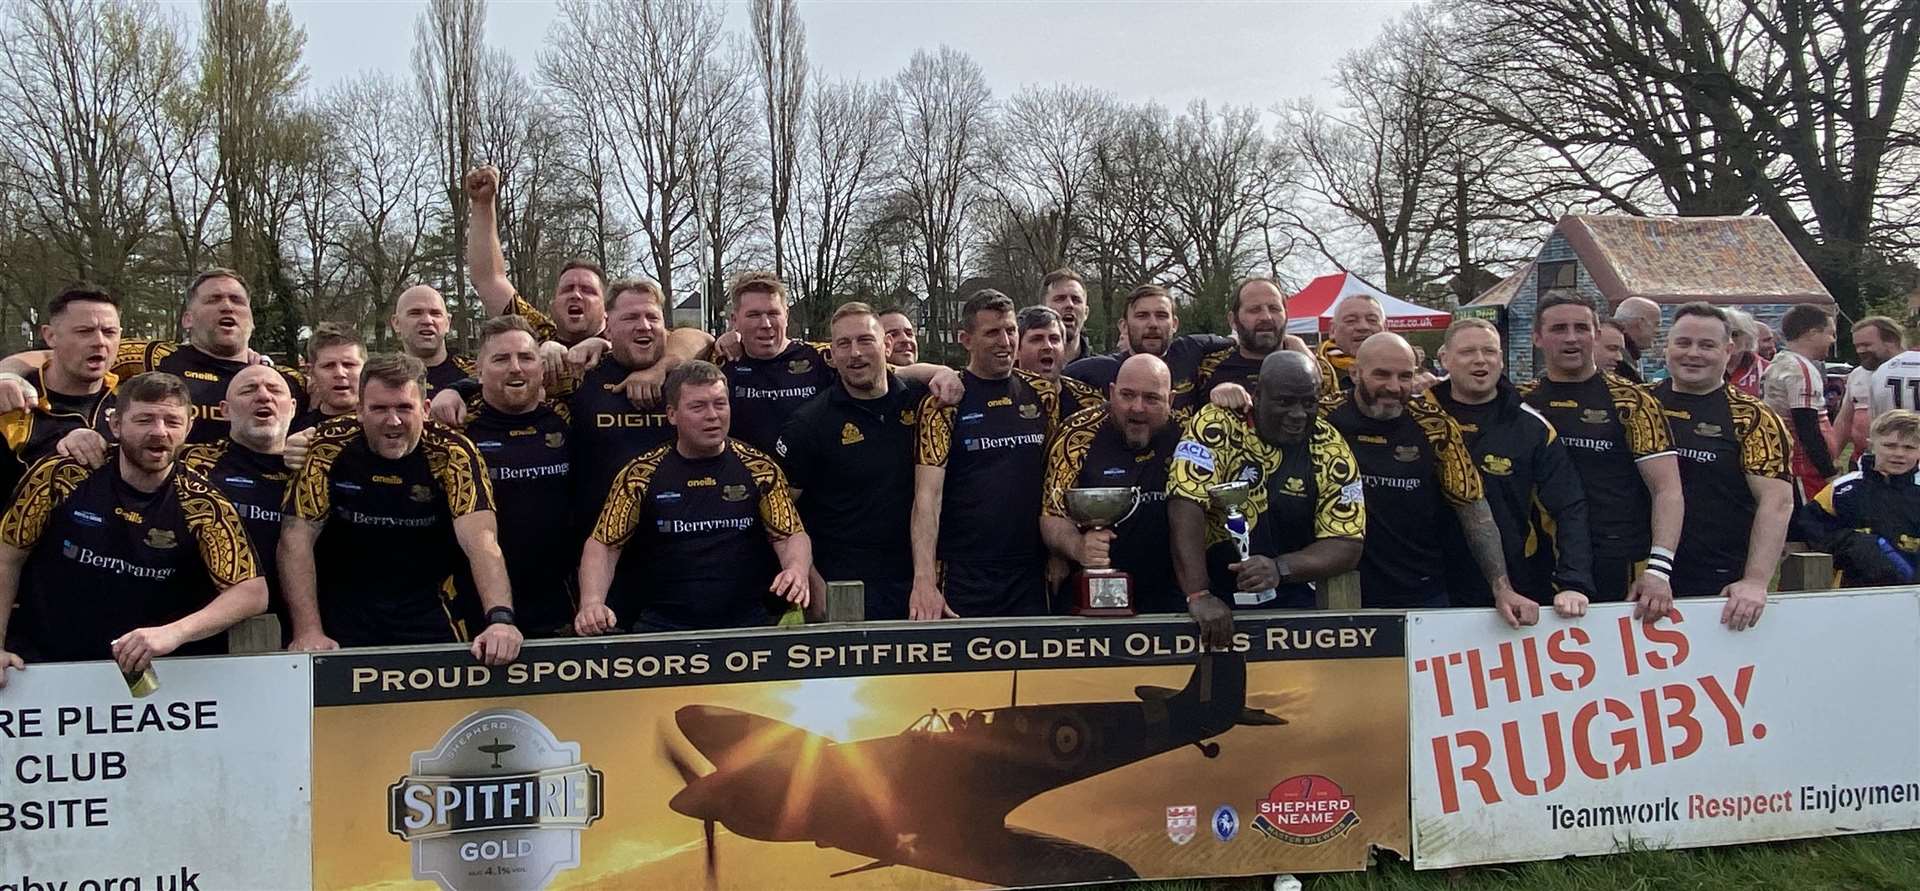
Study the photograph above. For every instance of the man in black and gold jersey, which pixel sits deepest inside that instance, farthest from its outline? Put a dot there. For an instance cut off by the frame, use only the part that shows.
(335, 356)
(525, 441)
(1258, 315)
(976, 492)
(1530, 482)
(1126, 442)
(383, 483)
(131, 561)
(1063, 292)
(1149, 326)
(420, 320)
(74, 386)
(1305, 511)
(774, 374)
(848, 454)
(710, 519)
(1419, 479)
(1734, 470)
(903, 339)
(1041, 340)
(219, 323)
(247, 467)
(1356, 317)
(1623, 451)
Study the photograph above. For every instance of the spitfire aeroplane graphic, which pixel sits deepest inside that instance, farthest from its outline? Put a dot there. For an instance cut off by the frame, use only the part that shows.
(936, 796)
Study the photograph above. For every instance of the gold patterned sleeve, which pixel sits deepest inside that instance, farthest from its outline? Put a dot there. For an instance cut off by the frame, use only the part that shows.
(777, 511)
(1643, 419)
(1329, 378)
(542, 325)
(1049, 393)
(1065, 455)
(310, 492)
(934, 438)
(47, 483)
(224, 547)
(1763, 444)
(1459, 479)
(1341, 511)
(1206, 455)
(620, 515)
(460, 470)
(135, 357)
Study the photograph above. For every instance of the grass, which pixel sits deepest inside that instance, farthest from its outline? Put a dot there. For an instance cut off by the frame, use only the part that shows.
(1888, 860)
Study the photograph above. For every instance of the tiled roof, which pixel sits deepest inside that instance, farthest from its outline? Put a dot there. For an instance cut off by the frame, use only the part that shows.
(1677, 259)
(1502, 292)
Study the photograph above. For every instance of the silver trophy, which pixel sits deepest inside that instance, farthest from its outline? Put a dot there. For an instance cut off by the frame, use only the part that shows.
(1229, 497)
(1103, 591)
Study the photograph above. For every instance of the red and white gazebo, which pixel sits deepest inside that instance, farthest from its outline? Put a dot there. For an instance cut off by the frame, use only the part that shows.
(1311, 310)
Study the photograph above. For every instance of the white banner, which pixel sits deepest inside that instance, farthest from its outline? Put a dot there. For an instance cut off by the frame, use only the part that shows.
(1585, 736)
(200, 785)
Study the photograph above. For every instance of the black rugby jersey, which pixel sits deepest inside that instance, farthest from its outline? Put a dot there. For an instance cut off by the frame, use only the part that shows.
(699, 527)
(1297, 493)
(993, 445)
(256, 485)
(387, 552)
(1226, 365)
(608, 431)
(1087, 453)
(1417, 470)
(1608, 425)
(542, 324)
(1722, 437)
(765, 392)
(454, 369)
(852, 462)
(207, 378)
(1182, 356)
(105, 558)
(1534, 494)
(32, 432)
(529, 461)
(1077, 396)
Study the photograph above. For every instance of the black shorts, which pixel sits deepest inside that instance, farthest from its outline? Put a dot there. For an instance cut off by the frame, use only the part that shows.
(1613, 577)
(994, 589)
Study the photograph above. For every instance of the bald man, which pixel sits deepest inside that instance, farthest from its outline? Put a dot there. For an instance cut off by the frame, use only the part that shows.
(1419, 479)
(246, 466)
(1305, 512)
(421, 321)
(1127, 441)
(1639, 320)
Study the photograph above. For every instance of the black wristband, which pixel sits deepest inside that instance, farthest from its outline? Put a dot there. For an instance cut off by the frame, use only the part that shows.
(500, 615)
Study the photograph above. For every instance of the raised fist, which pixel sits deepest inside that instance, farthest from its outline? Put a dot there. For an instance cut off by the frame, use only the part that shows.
(482, 184)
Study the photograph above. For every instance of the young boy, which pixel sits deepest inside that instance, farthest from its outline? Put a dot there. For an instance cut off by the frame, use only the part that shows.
(1869, 520)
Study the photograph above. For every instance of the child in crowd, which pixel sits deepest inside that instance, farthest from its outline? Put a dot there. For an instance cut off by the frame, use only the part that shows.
(1869, 520)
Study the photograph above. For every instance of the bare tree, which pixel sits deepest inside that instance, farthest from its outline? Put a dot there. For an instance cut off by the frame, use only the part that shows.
(1222, 170)
(847, 150)
(584, 154)
(729, 193)
(781, 41)
(942, 115)
(1042, 165)
(385, 182)
(448, 41)
(1127, 199)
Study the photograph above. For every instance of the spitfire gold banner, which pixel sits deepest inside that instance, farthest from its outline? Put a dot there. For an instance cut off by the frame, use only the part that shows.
(957, 755)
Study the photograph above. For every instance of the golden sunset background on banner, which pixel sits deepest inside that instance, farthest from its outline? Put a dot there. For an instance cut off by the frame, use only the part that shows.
(1346, 721)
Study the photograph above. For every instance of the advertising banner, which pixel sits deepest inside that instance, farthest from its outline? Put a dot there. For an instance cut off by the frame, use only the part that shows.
(199, 784)
(876, 756)
(1589, 736)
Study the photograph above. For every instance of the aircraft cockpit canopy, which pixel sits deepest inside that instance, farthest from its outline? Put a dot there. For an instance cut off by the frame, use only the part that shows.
(954, 721)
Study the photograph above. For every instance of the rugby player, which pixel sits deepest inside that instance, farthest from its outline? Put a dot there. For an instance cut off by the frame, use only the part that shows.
(389, 482)
(247, 468)
(1795, 387)
(1356, 317)
(219, 323)
(420, 320)
(1063, 292)
(1126, 442)
(73, 385)
(709, 517)
(775, 374)
(1258, 316)
(1419, 477)
(848, 455)
(1149, 325)
(1735, 470)
(1038, 329)
(977, 487)
(1623, 451)
(903, 340)
(1530, 483)
(1305, 511)
(1875, 340)
(134, 560)
(523, 437)
(1869, 520)
(335, 356)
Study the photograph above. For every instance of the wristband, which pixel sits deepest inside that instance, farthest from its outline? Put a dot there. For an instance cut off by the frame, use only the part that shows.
(1658, 551)
(1197, 595)
(500, 615)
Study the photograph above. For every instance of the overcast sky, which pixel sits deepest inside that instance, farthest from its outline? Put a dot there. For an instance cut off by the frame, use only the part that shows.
(1241, 53)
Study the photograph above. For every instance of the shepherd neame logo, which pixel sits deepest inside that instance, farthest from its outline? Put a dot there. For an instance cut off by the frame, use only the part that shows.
(498, 805)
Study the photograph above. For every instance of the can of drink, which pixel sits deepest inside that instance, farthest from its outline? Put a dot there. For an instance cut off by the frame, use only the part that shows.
(142, 683)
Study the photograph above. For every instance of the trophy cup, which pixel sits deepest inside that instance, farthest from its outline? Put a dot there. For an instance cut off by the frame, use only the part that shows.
(1228, 497)
(1104, 591)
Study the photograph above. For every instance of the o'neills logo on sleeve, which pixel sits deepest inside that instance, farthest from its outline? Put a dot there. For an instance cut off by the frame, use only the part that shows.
(498, 805)
(1306, 810)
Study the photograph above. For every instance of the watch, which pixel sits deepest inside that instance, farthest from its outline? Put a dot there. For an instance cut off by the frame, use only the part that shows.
(500, 615)
(1281, 571)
